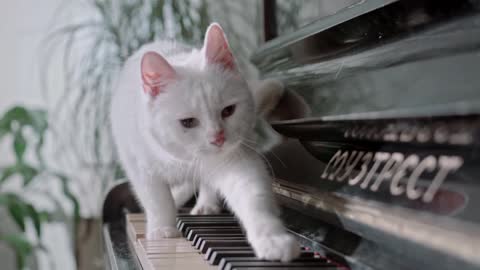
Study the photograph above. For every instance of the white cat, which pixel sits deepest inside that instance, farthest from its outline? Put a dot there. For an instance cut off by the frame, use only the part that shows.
(182, 120)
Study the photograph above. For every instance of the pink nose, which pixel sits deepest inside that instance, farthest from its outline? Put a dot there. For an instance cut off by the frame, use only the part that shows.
(219, 138)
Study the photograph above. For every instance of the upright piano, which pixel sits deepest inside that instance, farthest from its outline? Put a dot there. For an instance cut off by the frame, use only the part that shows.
(380, 154)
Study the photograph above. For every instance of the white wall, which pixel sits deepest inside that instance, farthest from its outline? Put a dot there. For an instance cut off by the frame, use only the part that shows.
(24, 24)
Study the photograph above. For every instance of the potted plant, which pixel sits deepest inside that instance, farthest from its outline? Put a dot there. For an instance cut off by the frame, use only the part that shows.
(25, 181)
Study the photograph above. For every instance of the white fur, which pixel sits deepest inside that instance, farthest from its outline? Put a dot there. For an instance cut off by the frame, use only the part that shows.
(166, 162)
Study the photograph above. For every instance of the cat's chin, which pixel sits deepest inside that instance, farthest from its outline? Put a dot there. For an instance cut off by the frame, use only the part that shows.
(216, 152)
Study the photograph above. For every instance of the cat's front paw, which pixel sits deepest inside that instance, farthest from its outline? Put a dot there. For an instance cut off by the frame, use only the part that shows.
(163, 232)
(206, 209)
(281, 246)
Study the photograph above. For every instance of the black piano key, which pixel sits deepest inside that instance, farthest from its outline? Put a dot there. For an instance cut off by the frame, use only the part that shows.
(288, 268)
(217, 256)
(195, 235)
(191, 224)
(218, 231)
(180, 215)
(200, 218)
(218, 251)
(192, 217)
(199, 237)
(212, 250)
(204, 217)
(202, 240)
(240, 263)
(220, 254)
(205, 220)
(304, 256)
(191, 231)
(222, 243)
(267, 265)
(212, 219)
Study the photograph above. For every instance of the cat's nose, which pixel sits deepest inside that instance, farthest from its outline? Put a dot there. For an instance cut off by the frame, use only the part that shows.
(219, 138)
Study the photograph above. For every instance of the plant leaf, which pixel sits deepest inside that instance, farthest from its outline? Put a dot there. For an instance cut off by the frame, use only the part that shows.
(37, 119)
(45, 216)
(38, 150)
(22, 247)
(3, 198)
(4, 127)
(7, 173)
(18, 114)
(70, 196)
(19, 146)
(36, 219)
(28, 173)
(17, 211)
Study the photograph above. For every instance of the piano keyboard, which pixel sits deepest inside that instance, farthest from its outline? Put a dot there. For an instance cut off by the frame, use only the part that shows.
(209, 242)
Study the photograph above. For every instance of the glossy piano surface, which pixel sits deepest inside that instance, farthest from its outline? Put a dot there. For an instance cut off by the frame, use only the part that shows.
(383, 165)
(381, 56)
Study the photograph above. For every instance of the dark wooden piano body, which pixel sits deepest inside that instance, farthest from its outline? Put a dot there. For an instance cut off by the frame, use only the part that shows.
(384, 171)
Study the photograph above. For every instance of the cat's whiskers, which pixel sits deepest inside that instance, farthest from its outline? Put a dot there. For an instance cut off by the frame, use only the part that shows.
(261, 155)
(250, 140)
(256, 144)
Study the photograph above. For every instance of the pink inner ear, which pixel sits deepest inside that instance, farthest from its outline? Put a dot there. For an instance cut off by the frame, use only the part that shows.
(156, 73)
(216, 48)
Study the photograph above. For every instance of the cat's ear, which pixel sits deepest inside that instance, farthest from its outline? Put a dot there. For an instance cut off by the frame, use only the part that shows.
(216, 48)
(156, 73)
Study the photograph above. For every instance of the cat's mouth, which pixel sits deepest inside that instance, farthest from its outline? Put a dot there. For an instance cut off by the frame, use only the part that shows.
(227, 147)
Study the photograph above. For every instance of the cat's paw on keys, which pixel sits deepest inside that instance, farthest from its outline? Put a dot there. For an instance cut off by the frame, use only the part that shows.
(206, 209)
(163, 232)
(274, 247)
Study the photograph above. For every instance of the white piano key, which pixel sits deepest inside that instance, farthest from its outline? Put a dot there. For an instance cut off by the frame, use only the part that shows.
(163, 254)
(172, 245)
(185, 263)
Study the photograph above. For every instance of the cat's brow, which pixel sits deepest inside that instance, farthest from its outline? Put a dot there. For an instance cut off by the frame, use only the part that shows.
(235, 100)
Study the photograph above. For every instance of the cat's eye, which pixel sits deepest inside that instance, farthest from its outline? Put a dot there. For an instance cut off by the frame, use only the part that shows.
(228, 111)
(189, 122)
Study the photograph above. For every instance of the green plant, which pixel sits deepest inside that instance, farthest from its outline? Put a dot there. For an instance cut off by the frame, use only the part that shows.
(18, 123)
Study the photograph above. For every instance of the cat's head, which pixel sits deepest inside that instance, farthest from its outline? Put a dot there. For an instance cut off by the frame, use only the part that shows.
(201, 110)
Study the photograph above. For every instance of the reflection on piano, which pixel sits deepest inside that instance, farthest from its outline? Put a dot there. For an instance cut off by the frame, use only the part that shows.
(382, 173)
